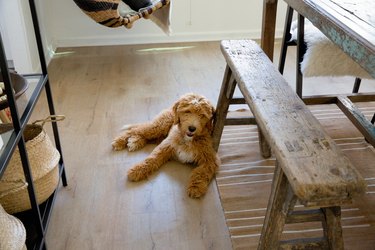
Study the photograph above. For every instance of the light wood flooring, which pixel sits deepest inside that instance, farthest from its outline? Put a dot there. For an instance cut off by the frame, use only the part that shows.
(100, 89)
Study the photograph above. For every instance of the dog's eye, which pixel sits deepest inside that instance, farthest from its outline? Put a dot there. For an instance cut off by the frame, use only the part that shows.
(187, 112)
(202, 116)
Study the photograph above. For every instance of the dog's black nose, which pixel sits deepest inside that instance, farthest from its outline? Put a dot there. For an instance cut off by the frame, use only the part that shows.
(192, 128)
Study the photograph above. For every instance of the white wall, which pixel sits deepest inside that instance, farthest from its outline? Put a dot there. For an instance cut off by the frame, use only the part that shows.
(191, 20)
(4, 31)
(44, 19)
(18, 38)
(63, 24)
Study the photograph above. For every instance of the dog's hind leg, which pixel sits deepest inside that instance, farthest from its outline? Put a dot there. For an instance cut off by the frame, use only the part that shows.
(136, 136)
(160, 155)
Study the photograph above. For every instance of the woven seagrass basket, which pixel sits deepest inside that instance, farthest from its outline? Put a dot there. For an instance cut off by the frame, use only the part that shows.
(12, 232)
(43, 158)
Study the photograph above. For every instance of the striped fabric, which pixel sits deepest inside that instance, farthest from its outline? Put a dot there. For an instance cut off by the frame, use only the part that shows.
(105, 12)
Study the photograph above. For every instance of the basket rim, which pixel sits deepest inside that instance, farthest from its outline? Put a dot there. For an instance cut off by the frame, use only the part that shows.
(39, 166)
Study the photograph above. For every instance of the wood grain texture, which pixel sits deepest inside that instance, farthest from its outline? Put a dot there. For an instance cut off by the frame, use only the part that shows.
(332, 227)
(268, 27)
(349, 27)
(246, 59)
(310, 244)
(281, 202)
(100, 89)
(226, 93)
(244, 182)
(316, 169)
(358, 119)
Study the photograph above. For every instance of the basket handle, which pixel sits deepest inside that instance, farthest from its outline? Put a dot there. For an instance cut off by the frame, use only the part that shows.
(51, 118)
(14, 190)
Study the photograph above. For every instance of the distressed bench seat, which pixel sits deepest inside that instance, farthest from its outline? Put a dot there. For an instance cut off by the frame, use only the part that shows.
(310, 168)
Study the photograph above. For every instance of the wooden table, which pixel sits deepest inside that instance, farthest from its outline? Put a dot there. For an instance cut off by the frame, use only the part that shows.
(348, 23)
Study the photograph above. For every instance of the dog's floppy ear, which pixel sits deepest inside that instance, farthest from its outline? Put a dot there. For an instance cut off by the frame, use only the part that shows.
(175, 114)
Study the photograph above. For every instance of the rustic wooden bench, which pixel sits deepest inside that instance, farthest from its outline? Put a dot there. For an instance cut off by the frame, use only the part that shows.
(310, 168)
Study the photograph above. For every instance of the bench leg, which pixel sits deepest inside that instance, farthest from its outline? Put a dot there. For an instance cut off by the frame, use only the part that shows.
(280, 211)
(332, 227)
(280, 204)
(265, 148)
(226, 93)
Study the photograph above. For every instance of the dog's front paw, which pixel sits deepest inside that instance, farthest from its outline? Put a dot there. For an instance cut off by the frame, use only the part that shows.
(197, 190)
(135, 142)
(138, 172)
(118, 144)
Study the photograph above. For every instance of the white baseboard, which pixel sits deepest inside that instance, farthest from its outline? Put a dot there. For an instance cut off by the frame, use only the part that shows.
(151, 39)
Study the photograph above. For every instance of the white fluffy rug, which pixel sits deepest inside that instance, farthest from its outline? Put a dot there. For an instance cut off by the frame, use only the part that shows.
(323, 57)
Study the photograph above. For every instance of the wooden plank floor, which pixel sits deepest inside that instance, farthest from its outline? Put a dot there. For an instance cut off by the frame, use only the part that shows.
(100, 89)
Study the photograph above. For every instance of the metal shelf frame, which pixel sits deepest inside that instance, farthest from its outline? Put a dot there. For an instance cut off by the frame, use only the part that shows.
(39, 214)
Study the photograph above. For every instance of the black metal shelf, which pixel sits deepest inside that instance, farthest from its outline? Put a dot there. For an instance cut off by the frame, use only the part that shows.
(34, 241)
(35, 220)
(11, 138)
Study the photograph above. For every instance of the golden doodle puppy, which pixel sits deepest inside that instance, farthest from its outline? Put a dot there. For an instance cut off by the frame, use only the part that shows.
(185, 134)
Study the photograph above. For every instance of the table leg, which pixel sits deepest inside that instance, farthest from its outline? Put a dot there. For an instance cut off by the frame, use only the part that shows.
(268, 27)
